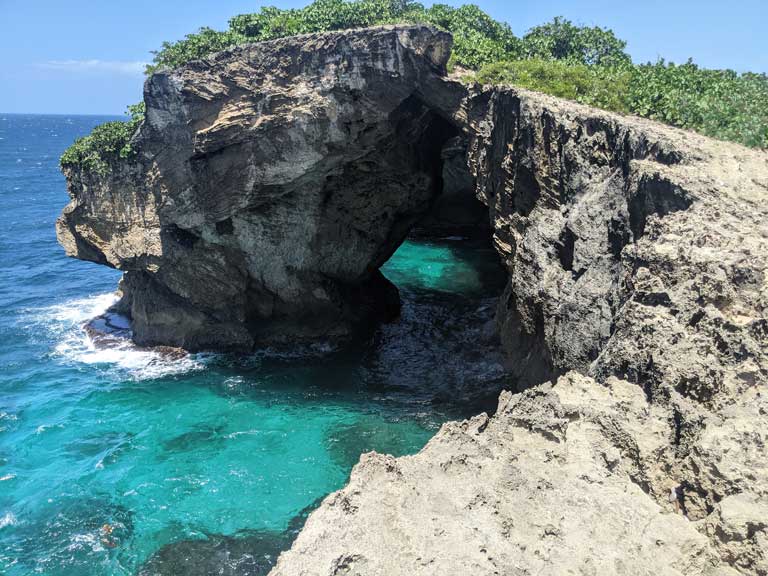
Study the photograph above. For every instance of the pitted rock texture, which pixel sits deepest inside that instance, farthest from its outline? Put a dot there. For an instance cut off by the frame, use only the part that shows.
(272, 180)
(637, 257)
(270, 183)
(546, 486)
(609, 225)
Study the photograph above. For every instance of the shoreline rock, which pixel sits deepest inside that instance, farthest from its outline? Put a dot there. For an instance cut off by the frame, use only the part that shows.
(635, 316)
(634, 319)
(269, 184)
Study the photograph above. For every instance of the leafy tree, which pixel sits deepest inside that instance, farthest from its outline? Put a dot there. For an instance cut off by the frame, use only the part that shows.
(586, 64)
(478, 39)
(562, 40)
(193, 46)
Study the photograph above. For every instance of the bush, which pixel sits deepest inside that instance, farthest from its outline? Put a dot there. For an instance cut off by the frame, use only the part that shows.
(478, 39)
(107, 142)
(562, 40)
(192, 47)
(718, 103)
(602, 87)
(585, 64)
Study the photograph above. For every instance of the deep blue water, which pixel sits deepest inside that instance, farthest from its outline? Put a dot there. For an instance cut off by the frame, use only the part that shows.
(111, 458)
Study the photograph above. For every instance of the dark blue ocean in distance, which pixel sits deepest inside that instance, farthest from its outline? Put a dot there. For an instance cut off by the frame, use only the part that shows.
(119, 461)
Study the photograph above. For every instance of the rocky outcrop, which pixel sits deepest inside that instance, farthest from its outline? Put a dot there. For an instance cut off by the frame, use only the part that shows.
(546, 486)
(272, 180)
(637, 257)
(269, 184)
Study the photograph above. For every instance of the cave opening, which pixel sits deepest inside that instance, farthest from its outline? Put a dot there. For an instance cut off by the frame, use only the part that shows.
(443, 346)
(438, 150)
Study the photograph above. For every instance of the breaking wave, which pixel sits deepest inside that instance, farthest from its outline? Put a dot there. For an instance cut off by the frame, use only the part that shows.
(66, 322)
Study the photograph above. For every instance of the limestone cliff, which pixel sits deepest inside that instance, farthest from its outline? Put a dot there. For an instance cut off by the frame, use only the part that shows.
(272, 180)
(637, 257)
(270, 183)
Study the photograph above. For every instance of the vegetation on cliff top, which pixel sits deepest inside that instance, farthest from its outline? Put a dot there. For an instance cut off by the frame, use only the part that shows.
(107, 142)
(585, 64)
(717, 103)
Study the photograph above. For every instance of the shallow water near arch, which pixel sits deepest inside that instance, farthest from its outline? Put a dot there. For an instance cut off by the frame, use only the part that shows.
(112, 459)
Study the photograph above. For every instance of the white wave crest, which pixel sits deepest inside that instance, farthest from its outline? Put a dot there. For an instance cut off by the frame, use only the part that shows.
(74, 344)
(81, 310)
(8, 520)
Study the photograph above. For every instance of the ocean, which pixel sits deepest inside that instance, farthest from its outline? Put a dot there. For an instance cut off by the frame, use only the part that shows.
(119, 461)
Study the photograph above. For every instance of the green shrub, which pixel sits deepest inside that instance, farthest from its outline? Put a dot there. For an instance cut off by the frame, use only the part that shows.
(478, 39)
(585, 64)
(105, 143)
(718, 103)
(562, 40)
(192, 47)
(602, 87)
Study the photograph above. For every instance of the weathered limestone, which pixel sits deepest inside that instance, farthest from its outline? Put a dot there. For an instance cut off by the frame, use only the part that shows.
(546, 486)
(271, 182)
(637, 256)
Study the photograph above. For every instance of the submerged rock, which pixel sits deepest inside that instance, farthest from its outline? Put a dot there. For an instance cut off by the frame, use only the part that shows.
(252, 553)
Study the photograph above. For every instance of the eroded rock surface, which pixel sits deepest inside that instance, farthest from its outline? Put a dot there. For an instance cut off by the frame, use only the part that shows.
(543, 487)
(637, 257)
(271, 182)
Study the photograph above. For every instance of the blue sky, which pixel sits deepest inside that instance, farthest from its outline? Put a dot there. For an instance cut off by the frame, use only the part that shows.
(81, 57)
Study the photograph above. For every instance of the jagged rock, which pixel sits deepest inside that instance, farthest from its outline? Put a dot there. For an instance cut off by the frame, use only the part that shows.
(270, 183)
(272, 180)
(637, 256)
(546, 486)
(612, 225)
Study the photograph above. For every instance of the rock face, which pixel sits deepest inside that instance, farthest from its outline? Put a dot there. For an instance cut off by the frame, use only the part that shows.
(637, 257)
(272, 180)
(270, 183)
(543, 487)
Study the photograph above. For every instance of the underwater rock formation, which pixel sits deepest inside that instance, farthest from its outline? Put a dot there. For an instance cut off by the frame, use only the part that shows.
(272, 180)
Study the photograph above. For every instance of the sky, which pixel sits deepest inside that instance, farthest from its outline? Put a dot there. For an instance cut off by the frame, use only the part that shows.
(87, 57)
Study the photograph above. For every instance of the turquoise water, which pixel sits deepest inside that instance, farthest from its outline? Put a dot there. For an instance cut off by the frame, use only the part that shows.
(111, 460)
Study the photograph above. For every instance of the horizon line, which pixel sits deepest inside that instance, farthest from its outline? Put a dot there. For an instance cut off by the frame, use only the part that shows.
(60, 114)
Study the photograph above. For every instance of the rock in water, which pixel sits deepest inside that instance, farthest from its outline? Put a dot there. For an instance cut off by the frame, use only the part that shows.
(637, 256)
(270, 183)
(272, 180)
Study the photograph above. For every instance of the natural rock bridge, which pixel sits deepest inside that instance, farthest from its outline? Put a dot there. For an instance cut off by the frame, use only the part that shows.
(272, 180)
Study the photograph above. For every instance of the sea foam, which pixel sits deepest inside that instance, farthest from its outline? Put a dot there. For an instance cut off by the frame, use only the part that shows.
(66, 321)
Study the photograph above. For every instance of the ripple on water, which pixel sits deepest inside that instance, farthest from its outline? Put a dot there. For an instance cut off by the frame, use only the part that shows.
(70, 535)
(196, 463)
